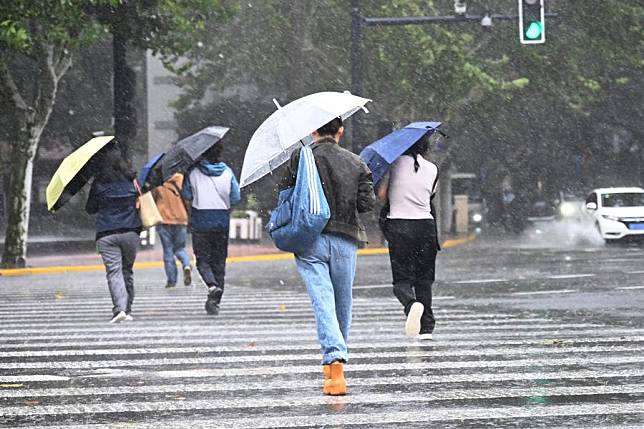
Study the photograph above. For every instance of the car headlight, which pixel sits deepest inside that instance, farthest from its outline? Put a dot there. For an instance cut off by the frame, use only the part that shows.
(610, 217)
(567, 209)
(477, 217)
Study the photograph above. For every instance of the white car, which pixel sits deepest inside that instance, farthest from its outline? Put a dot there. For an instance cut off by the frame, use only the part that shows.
(618, 213)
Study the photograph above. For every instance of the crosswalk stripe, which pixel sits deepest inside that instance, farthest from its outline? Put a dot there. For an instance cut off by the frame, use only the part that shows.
(305, 344)
(169, 328)
(410, 355)
(483, 377)
(304, 400)
(283, 335)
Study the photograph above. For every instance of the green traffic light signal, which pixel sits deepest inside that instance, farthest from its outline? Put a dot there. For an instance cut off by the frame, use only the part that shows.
(534, 30)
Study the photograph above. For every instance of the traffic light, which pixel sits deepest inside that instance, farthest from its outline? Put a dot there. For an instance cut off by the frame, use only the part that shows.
(532, 22)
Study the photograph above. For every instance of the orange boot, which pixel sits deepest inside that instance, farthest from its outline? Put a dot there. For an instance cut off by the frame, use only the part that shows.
(335, 385)
(327, 378)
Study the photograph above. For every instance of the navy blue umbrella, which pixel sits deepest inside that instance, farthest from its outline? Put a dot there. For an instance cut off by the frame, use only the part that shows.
(145, 171)
(380, 154)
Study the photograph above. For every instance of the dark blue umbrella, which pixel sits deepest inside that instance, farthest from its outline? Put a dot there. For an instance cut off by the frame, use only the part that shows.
(380, 154)
(143, 175)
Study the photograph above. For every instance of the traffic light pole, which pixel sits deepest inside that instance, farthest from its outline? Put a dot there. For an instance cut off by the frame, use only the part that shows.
(358, 23)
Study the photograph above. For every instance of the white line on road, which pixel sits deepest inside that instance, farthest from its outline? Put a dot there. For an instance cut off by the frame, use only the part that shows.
(270, 385)
(560, 332)
(630, 287)
(302, 369)
(480, 281)
(635, 272)
(317, 400)
(544, 292)
(569, 276)
(263, 357)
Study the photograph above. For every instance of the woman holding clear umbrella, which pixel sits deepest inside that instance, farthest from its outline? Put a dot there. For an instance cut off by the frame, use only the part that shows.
(410, 229)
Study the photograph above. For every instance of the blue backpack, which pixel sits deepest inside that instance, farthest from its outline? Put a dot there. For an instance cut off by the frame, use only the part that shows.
(302, 211)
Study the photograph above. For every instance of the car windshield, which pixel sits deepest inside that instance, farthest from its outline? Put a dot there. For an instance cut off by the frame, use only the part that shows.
(631, 199)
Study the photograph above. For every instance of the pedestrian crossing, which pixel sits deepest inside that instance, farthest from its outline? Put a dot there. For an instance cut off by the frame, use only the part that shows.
(257, 365)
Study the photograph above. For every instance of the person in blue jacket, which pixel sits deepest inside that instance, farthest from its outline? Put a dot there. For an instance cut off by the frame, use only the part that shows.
(211, 188)
(113, 198)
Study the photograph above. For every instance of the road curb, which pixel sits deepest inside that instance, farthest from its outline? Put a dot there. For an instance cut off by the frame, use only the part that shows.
(14, 272)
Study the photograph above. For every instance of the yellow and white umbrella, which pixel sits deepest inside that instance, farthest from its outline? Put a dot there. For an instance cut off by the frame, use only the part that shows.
(72, 175)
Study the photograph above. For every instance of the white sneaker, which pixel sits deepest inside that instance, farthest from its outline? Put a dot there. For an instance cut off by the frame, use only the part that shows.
(412, 325)
(424, 337)
(129, 318)
(119, 317)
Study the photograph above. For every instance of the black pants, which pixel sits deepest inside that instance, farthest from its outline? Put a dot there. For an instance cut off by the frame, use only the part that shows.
(412, 251)
(211, 250)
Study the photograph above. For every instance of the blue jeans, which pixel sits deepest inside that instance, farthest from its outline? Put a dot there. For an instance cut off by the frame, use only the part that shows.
(327, 270)
(173, 240)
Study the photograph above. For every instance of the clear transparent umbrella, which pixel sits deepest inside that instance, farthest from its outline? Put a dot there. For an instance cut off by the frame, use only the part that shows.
(281, 133)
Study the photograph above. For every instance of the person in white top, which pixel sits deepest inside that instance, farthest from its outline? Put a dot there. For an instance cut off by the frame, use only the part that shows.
(410, 229)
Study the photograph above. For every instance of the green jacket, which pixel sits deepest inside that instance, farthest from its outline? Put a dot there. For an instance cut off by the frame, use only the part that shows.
(347, 184)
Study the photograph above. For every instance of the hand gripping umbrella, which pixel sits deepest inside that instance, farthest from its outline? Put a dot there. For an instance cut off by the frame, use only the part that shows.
(280, 134)
(380, 154)
(184, 154)
(74, 171)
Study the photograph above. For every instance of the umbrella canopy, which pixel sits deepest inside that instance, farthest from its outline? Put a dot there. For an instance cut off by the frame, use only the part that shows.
(145, 171)
(184, 154)
(281, 133)
(75, 170)
(380, 154)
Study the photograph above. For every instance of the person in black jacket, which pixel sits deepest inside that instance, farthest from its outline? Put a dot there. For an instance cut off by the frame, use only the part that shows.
(328, 268)
(112, 198)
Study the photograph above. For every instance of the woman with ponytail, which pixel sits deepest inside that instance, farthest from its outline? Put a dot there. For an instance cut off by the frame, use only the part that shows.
(410, 229)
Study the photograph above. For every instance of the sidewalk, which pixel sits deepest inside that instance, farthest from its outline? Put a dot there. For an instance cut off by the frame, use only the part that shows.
(153, 258)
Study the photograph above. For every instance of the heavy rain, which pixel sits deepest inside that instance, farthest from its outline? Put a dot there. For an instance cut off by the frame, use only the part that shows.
(321, 213)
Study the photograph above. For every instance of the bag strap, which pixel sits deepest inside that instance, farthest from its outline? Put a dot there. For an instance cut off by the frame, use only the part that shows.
(137, 187)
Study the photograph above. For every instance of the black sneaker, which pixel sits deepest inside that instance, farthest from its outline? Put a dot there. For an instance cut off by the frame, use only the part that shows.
(169, 285)
(212, 308)
(215, 293)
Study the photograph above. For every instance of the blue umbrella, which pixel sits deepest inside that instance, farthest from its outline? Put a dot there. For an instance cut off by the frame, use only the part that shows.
(380, 154)
(143, 175)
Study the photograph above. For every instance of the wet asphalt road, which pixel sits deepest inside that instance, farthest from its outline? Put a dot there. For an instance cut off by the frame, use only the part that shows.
(525, 337)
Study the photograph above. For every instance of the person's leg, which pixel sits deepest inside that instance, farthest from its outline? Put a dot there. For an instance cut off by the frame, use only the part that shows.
(112, 259)
(314, 270)
(165, 233)
(342, 269)
(129, 247)
(400, 255)
(219, 255)
(425, 273)
(201, 248)
(179, 236)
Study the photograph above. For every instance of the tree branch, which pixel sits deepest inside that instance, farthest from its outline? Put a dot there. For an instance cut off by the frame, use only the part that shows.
(8, 86)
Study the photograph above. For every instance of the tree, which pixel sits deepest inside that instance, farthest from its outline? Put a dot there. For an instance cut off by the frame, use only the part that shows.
(36, 36)
(169, 28)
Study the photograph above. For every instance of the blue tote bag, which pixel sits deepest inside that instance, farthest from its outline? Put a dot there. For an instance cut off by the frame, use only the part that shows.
(302, 211)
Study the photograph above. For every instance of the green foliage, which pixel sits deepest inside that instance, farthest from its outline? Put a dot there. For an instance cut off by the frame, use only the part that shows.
(28, 23)
(169, 28)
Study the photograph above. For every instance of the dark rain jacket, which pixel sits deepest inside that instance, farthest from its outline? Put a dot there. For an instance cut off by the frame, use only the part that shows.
(347, 183)
(114, 204)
